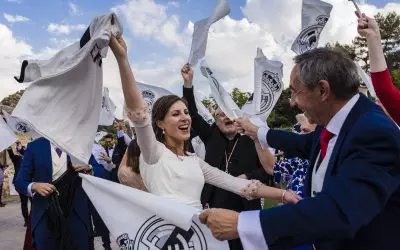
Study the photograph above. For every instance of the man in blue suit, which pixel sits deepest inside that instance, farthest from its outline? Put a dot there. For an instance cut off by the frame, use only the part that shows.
(353, 184)
(44, 168)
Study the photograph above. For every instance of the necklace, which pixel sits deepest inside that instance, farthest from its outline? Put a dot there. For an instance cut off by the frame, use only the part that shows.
(227, 159)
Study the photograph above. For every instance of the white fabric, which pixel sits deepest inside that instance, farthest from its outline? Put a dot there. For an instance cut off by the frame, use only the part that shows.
(59, 163)
(366, 79)
(63, 102)
(314, 15)
(334, 126)
(19, 126)
(108, 108)
(96, 151)
(199, 147)
(268, 87)
(141, 220)
(221, 96)
(202, 110)
(99, 135)
(250, 232)
(200, 32)
(7, 136)
(150, 94)
(13, 191)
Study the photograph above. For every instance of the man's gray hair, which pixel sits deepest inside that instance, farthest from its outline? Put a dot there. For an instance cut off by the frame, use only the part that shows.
(331, 65)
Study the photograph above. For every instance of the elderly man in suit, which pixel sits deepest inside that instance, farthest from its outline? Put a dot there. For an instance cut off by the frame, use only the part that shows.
(60, 215)
(353, 184)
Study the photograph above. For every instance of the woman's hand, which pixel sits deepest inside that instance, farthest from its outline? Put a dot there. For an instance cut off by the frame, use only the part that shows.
(187, 75)
(118, 47)
(288, 196)
(367, 27)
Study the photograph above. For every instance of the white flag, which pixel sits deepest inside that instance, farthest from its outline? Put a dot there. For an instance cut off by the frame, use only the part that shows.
(200, 32)
(19, 126)
(142, 221)
(203, 111)
(99, 135)
(268, 87)
(366, 79)
(63, 102)
(7, 136)
(107, 114)
(150, 94)
(221, 96)
(314, 15)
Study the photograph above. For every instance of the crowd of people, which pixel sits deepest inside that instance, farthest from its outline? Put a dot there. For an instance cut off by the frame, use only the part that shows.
(338, 182)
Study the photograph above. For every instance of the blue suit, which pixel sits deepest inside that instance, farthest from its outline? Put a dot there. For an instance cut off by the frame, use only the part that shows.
(359, 205)
(37, 167)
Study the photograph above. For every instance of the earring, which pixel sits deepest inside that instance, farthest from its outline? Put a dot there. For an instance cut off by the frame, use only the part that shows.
(163, 131)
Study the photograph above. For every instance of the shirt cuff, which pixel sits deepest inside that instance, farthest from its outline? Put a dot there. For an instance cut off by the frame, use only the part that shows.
(262, 136)
(250, 231)
(29, 191)
(127, 139)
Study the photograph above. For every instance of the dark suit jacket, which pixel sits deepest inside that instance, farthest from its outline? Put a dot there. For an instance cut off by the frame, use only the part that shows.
(244, 160)
(359, 205)
(117, 156)
(37, 167)
(16, 160)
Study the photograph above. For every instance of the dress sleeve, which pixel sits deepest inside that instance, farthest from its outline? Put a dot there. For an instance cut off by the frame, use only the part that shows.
(387, 93)
(150, 148)
(220, 179)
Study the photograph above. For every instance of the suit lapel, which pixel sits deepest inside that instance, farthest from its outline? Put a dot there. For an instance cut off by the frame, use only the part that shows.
(313, 157)
(359, 108)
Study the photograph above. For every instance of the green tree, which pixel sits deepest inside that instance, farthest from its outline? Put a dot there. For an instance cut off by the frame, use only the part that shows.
(239, 97)
(13, 99)
(283, 115)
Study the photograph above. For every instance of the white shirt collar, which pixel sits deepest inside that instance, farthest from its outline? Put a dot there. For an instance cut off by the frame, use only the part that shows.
(335, 124)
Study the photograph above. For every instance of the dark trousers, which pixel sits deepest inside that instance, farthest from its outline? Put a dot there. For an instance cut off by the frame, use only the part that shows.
(24, 206)
(1, 192)
(235, 244)
(100, 227)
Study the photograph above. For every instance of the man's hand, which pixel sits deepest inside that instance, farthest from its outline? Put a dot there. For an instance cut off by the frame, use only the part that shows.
(118, 47)
(187, 75)
(246, 127)
(222, 222)
(82, 168)
(44, 189)
(103, 156)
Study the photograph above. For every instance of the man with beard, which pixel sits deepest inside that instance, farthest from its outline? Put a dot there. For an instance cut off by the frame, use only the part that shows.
(227, 150)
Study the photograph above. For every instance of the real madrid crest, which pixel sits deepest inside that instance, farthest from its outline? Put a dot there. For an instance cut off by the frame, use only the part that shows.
(270, 85)
(308, 38)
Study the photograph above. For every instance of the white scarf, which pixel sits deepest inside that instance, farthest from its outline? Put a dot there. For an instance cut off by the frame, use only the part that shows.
(7, 136)
(63, 102)
(221, 96)
(107, 114)
(366, 79)
(268, 87)
(314, 15)
(200, 33)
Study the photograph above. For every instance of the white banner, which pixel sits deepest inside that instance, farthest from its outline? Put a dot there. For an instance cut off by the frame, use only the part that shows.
(268, 87)
(314, 15)
(107, 113)
(7, 136)
(63, 102)
(143, 221)
(221, 96)
(203, 111)
(200, 32)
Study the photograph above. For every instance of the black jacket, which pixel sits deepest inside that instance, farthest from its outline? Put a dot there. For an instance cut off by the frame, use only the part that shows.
(244, 160)
(16, 160)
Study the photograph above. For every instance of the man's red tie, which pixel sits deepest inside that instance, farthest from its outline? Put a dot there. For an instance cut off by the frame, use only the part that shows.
(326, 136)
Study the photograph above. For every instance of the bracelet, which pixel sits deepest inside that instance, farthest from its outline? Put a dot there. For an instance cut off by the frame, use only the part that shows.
(283, 195)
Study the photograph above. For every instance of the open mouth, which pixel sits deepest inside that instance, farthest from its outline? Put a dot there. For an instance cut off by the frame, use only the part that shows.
(228, 123)
(184, 128)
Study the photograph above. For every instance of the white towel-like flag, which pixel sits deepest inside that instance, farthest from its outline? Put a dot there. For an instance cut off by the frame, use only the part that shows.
(366, 79)
(145, 221)
(221, 96)
(203, 111)
(200, 32)
(63, 102)
(107, 114)
(314, 15)
(7, 136)
(19, 126)
(268, 87)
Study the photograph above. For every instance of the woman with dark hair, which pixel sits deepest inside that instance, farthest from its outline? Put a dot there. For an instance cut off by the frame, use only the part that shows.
(128, 172)
(167, 168)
